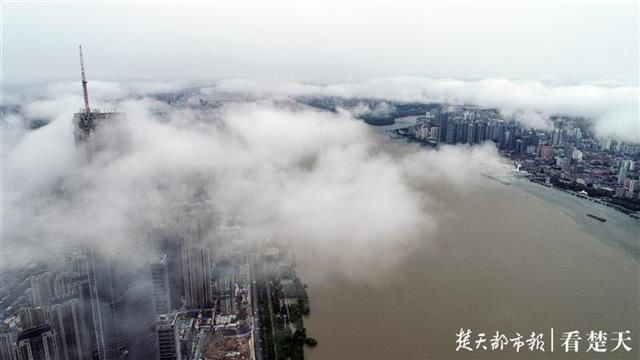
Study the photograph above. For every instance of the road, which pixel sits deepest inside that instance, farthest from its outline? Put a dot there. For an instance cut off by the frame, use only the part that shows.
(197, 355)
(273, 329)
(255, 310)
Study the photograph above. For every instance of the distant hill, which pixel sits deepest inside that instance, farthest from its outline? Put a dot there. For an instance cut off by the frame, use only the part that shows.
(373, 111)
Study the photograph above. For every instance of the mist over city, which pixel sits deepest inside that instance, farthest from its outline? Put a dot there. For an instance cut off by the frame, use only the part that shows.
(277, 204)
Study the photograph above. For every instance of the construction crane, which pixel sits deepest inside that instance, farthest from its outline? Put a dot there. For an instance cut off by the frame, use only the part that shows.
(85, 93)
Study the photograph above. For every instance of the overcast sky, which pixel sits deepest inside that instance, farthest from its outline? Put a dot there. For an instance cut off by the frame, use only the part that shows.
(564, 42)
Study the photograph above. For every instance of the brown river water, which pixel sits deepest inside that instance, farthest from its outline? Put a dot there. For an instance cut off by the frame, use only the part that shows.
(516, 258)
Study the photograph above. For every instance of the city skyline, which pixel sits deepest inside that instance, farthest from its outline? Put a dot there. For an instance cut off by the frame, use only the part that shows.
(284, 180)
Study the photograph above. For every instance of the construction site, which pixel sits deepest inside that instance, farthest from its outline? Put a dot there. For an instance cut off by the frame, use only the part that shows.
(88, 120)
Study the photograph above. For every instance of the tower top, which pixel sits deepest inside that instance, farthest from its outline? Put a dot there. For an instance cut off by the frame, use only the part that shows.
(85, 92)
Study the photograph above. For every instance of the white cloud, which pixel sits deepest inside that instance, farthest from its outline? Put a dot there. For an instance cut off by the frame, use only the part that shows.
(613, 109)
(323, 180)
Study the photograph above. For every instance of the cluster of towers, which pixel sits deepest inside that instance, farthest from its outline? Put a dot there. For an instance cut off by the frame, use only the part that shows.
(103, 307)
(98, 306)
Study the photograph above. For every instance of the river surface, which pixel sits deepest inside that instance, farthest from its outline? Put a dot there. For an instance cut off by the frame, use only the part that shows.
(517, 258)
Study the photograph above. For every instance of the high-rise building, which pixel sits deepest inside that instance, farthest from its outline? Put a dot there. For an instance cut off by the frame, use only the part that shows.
(37, 343)
(514, 133)
(481, 132)
(606, 143)
(122, 308)
(451, 133)
(490, 131)
(41, 289)
(461, 132)
(84, 296)
(68, 321)
(65, 284)
(498, 134)
(197, 223)
(168, 337)
(7, 345)
(160, 281)
(557, 137)
(197, 276)
(443, 119)
(470, 133)
(519, 148)
(434, 134)
(32, 317)
(624, 169)
(169, 242)
(545, 151)
(506, 140)
(93, 130)
(100, 285)
(139, 322)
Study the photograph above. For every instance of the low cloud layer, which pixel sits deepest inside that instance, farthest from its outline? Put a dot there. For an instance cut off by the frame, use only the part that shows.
(324, 181)
(613, 109)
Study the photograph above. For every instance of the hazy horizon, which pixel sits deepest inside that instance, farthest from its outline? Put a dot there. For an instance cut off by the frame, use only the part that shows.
(555, 43)
(397, 159)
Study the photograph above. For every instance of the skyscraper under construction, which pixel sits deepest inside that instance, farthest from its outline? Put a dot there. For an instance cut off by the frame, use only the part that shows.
(119, 294)
(93, 129)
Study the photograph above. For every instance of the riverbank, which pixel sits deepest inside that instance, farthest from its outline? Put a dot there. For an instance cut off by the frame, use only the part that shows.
(516, 258)
(619, 230)
(628, 212)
